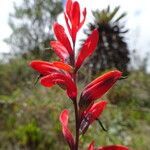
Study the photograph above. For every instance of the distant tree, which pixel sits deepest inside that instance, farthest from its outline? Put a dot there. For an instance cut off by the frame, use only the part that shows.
(112, 50)
(31, 25)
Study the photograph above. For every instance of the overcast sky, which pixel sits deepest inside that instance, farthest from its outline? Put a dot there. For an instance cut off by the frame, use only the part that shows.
(137, 20)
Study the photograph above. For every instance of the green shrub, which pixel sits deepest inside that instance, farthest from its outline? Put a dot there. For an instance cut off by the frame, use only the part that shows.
(133, 91)
(29, 135)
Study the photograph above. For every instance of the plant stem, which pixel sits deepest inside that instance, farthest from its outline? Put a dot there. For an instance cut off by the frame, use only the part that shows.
(77, 125)
(76, 104)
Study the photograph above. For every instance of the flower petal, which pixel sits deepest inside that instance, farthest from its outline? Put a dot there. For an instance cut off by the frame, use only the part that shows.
(64, 116)
(46, 68)
(98, 87)
(66, 132)
(68, 8)
(63, 66)
(62, 37)
(75, 19)
(87, 48)
(58, 78)
(113, 147)
(60, 50)
(91, 114)
(67, 23)
(116, 74)
(96, 109)
(84, 17)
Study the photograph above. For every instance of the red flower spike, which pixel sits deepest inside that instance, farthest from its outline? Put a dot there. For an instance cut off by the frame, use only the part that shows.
(62, 37)
(64, 116)
(88, 48)
(60, 50)
(113, 147)
(91, 114)
(98, 88)
(64, 75)
(62, 79)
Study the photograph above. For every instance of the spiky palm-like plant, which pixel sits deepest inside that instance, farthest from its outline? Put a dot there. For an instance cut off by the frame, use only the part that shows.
(112, 50)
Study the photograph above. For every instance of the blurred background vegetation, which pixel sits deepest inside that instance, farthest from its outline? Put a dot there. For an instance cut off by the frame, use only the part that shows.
(29, 113)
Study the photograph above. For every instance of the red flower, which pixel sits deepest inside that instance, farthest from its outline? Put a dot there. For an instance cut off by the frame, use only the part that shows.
(98, 87)
(91, 114)
(111, 147)
(43, 67)
(60, 51)
(61, 79)
(56, 73)
(72, 17)
(87, 48)
(66, 132)
(46, 68)
(62, 37)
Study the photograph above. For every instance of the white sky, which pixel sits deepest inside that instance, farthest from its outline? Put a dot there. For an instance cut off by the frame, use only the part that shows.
(5, 7)
(138, 12)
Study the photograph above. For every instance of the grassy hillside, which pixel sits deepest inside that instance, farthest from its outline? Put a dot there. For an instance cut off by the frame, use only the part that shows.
(29, 113)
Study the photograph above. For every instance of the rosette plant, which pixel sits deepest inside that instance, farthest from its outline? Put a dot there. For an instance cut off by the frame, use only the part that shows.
(64, 73)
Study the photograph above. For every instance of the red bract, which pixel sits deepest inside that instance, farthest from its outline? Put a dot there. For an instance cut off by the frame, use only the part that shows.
(64, 116)
(61, 79)
(98, 87)
(111, 147)
(91, 114)
(62, 37)
(87, 48)
(73, 19)
(60, 50)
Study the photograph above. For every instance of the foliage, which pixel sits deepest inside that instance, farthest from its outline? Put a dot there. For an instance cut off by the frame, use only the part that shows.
(14, 75)
(30, 24)
(29, 134)
(26, 107)
(22, 104)
(135, 91)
